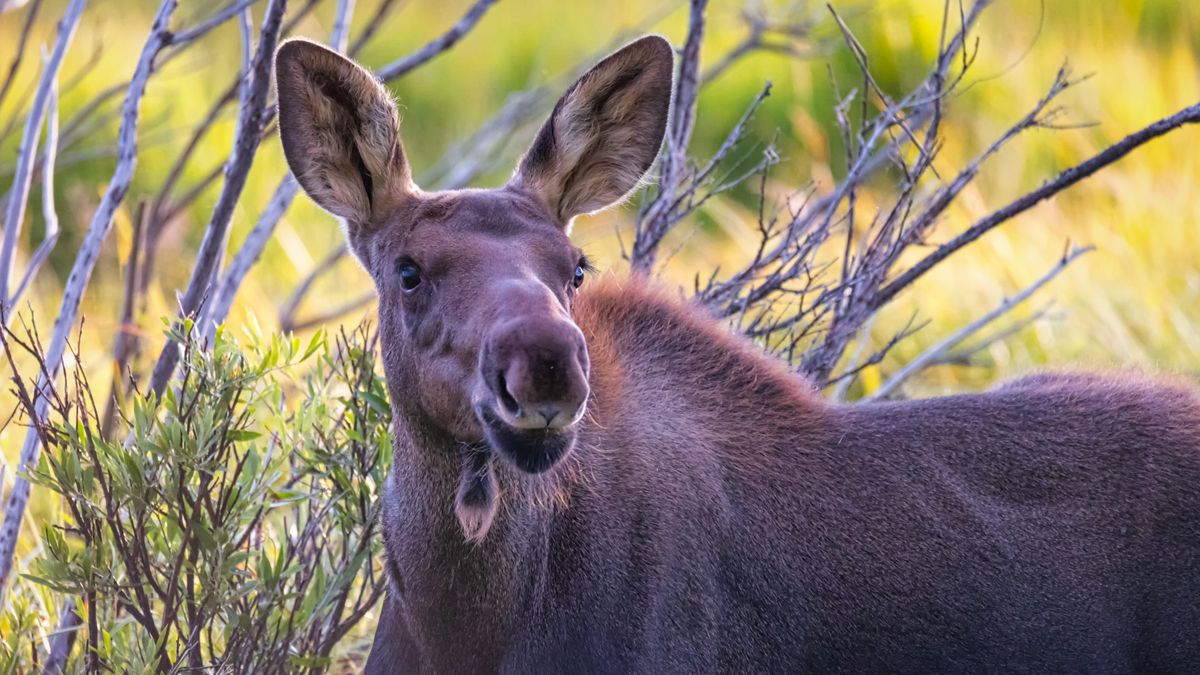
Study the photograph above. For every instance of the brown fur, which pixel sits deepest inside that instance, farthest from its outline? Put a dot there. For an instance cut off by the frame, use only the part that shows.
(710, 512)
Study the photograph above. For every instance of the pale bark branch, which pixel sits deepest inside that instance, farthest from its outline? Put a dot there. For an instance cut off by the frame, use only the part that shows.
(254, 243)
(220, 17)
(19, 54)
(49, 212)
(19, 193)
(1189, 115)
(441, 43)
(63, 638)
(655, 221)
(77, 281)
(255, 88)
(943, 346)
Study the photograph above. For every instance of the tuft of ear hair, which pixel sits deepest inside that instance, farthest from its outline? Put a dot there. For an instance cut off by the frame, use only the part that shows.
(603, 134)
(477, 499)
(340, 132)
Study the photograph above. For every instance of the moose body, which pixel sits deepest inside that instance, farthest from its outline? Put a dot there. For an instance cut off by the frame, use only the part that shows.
(717, 515)
(600, 478)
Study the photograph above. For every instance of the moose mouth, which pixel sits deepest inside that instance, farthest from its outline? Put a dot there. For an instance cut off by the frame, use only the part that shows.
(530, 450)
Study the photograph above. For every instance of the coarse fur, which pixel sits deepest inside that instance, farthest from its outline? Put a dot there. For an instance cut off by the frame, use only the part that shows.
(690, 505)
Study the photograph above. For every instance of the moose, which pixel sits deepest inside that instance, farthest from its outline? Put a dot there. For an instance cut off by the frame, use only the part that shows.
(593, 475)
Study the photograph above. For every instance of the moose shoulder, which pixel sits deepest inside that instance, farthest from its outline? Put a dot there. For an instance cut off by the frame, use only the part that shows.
(592, 475)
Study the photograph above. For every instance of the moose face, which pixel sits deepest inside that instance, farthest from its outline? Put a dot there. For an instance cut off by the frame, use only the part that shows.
(475, 293)
(476, 286)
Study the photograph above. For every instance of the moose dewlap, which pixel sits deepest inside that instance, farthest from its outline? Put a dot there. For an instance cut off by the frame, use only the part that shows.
(592, 475)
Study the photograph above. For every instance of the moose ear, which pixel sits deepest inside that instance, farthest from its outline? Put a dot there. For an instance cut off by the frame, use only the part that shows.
(340, 133)
(604, 132)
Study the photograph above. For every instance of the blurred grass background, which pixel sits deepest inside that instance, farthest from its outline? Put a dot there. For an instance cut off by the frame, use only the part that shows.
(1135, 302)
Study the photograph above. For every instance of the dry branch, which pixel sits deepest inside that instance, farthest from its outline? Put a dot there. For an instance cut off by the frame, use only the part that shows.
(19, 54)
(49, 212)
(254, 243)
(764, 33)
(944, 346)
(656, 220)
(1189, 115)
(256, 82)
(219, 17)
(63, 638)
(19, 194)
(443, 42)
(160, 36)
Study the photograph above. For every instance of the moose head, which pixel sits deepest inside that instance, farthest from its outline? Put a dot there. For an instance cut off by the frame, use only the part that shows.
(476, 286)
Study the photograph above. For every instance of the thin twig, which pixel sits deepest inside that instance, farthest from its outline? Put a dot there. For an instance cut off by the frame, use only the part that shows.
(78, 279)
(254, 243)
(255, 88)
(63, 638)
(19, 193)
(942, 347)
(221, 16)
(441, 43)
(127, 340)
(49, 212)
(1189, 115)
(332, 313)
(760, 28)
(19, 54)
(655, 221)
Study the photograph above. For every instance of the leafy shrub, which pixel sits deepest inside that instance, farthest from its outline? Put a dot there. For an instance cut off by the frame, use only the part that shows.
(230, 526)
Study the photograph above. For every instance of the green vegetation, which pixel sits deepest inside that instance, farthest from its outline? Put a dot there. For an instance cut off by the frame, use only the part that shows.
(232, 525)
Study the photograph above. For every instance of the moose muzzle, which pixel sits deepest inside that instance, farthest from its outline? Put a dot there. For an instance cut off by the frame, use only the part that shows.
(536, 371)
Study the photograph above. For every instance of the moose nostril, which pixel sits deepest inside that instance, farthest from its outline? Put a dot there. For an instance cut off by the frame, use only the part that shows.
(506, 398)
(549, 413)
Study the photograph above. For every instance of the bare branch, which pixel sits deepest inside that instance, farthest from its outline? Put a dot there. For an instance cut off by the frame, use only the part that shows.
(373, 23)
(63, 638)
(438, 45)
(1189, 115)
(221, 16)
(252, 247)
(255, 88)
(942, 347)
(19, 194)
(341, 24)
(333, 313)
(128, 339)
(49, 212)
(962, 356)
(81, 273)
(287, 311)
(251, 250)
(763, 34)
(19, 54)
(655, 221)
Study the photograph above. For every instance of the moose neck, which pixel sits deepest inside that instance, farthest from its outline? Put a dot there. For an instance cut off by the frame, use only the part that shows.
(451, 587)
(664, 377)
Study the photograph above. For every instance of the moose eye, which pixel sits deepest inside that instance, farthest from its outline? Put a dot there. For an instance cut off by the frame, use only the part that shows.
(410, 274)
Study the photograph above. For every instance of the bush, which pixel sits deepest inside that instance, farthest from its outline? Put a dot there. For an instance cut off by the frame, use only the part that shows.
(229, 526)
